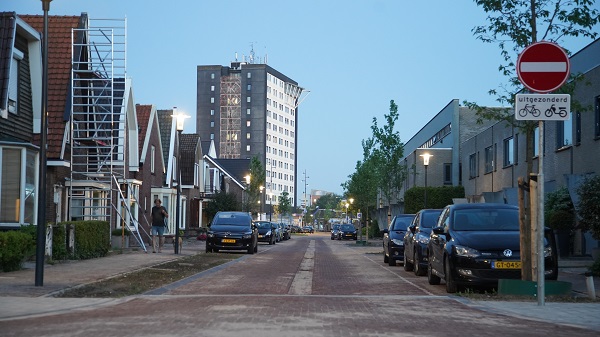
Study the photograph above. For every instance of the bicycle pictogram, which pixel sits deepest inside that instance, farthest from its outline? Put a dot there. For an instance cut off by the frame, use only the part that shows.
(529, 109)
(562, 111)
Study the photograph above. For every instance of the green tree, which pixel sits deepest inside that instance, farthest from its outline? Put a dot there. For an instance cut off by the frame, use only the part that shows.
(256, 187)
(588, 206)
(384, 152)
(285, 203)
(513, 25)
(222, 201)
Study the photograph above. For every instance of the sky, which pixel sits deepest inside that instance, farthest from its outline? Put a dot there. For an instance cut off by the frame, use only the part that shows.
(352, 57)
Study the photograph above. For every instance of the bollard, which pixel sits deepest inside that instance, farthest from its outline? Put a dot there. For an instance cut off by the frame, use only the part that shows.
(589, 281)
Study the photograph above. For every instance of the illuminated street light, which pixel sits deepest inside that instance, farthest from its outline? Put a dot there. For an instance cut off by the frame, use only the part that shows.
(179, 120)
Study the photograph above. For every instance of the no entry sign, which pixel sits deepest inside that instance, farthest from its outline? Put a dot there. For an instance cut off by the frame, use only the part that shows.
(543, 67)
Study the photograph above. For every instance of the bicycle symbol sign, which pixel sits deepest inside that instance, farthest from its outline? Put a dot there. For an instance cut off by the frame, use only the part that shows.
(542, 107)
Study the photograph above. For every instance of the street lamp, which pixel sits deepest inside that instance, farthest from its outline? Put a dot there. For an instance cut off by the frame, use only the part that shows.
(179, 120)
(426, 157)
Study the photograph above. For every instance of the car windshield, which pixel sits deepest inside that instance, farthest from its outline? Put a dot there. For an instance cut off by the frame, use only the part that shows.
(429, 219)
(336, 227)
(347, 228)
(401, 223)
(263, 225)
(486, 220)
(232, 219)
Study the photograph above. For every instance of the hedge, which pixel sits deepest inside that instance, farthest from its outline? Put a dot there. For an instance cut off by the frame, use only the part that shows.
(437, 197)
(15, 247)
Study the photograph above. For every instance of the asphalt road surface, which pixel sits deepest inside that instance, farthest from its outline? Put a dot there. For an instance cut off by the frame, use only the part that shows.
(306, 286)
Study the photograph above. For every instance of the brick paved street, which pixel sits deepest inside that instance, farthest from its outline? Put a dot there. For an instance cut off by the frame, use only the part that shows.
(307, 286)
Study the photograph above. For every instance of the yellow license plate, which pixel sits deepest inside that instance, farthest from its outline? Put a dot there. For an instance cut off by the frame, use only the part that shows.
(506, 265)
(228, 240)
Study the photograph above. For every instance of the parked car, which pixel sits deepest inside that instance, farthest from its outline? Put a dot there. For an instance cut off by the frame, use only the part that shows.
(416, 239)
(232, 231)
(393, 238)
(334, 231)
(266, 231)
(308, 229)
(347, 232)
(475, 245)
(286, 231)
(296, 229)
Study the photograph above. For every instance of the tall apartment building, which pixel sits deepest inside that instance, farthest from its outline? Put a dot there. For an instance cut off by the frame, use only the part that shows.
(251, 110)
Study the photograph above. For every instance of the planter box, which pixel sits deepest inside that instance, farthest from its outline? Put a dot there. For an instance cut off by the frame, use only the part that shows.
(529, 288)
(116, 242)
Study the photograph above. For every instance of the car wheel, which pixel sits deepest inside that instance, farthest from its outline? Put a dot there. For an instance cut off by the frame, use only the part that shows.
(391, 261)
(417, 265)
(407, 265)
(251, 250)
(208, 250)
(271, 240)
(431, 278)
(385, 257)
(451, 286)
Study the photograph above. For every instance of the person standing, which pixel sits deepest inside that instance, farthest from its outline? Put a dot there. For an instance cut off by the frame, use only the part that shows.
(159, 214)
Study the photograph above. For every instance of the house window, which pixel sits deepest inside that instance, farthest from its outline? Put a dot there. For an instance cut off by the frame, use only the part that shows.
(577, 128)
(13, 83)
(564, 133)
(473, 166)
(489, 159)
(447, 173)
(152, 155)
(17, 185)
(509, 151)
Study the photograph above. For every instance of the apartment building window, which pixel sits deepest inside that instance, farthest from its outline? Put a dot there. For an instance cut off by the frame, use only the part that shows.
(597, 117)
(577, 128)
(247, 135)
(473, 166)
(212, 112)
(249, 75)
(509, 152)
(212, 136)
(212, 124)
(212, 99)
(564, 133)
(248, 111)
(249, 87)
(447, 173)
(212, 76)
(247, 148)
(212, 88)
(248, 123)
(489, 159)
(248, 99)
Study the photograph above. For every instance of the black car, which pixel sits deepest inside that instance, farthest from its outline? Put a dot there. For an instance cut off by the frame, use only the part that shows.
(393, 238)
(308, 229)
(347, 232)
(477, 244)
(286, 231)
(416, 239)
(266, 231)
(232, 231)
(334, 231)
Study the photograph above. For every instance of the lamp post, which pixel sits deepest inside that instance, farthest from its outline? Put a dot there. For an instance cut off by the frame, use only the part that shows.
(41, 211)
(426, 157)
(179, 120)
(247, 178)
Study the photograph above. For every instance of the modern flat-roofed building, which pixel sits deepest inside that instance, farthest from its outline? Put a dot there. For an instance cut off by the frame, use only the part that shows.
(250, 110)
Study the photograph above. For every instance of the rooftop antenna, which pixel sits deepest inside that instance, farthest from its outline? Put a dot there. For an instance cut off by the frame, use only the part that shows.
(251, 53)
(236, 56)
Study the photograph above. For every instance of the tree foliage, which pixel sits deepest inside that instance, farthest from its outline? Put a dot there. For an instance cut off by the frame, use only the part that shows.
(221, 201)
(285, 203)
(255, 187)
(588, 206)
(559, 211)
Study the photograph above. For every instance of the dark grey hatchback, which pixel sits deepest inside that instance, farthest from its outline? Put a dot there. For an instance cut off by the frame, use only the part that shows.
(232, 231)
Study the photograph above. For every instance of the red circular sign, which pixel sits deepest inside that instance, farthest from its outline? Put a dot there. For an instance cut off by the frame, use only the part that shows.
(543, 67)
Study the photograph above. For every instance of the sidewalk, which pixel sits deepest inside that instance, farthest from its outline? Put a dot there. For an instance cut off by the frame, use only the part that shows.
(19, 297)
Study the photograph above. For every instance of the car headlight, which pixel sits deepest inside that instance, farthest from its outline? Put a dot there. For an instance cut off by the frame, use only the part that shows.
(268, 233)
(247, 236)
(422, 239)
(398, 242)
(210, 235)
(466, 251)
(547, 251)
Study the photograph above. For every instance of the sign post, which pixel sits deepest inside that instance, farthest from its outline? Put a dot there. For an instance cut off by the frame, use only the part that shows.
(542, 67)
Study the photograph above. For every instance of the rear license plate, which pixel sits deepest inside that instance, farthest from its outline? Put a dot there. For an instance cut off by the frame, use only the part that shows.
(506, 265)
(228, 240)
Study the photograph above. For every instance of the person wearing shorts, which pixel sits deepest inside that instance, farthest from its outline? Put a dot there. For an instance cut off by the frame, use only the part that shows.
(159, 214)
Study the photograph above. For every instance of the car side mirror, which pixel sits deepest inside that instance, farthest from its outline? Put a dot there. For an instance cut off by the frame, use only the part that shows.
(438, 230)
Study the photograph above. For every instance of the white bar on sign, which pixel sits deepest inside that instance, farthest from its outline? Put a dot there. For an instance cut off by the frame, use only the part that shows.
(543, 67)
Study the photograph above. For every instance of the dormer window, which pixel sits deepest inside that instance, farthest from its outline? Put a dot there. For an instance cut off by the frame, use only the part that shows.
(13, 86)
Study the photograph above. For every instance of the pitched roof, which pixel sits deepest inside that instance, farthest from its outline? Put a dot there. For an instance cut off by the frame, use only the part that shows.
(8, 24)
(238, 168)
(189, 144)
(143, 117)
(165, 122)
(59, 72)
